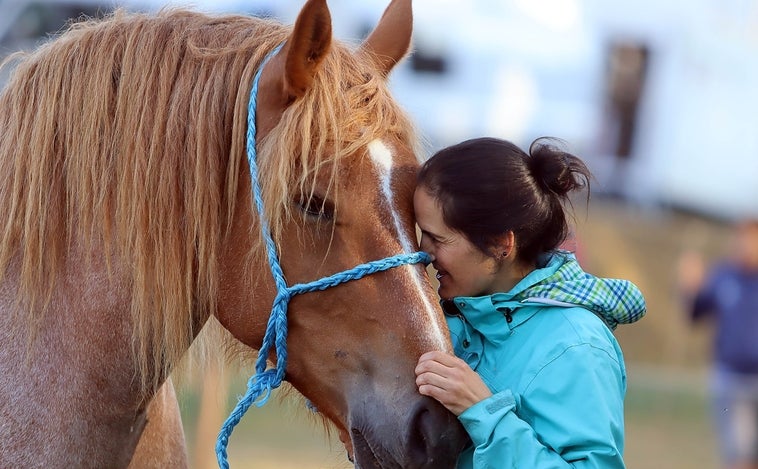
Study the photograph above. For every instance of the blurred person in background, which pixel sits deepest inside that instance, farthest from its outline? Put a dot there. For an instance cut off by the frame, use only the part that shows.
(727, 295)
(538, 379)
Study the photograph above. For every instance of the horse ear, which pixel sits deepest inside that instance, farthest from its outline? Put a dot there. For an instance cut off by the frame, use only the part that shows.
(307, 47)
(391, 39)
(290, 72)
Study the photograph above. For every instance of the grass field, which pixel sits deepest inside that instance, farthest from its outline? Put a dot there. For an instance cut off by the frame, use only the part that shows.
(667, 423)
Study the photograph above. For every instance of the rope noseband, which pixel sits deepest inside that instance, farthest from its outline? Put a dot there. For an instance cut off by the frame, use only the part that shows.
(264, 380)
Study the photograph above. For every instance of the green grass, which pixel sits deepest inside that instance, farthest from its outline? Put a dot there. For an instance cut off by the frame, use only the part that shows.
(667, 422)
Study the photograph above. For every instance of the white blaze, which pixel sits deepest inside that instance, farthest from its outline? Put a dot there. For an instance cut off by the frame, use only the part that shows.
(381, 155)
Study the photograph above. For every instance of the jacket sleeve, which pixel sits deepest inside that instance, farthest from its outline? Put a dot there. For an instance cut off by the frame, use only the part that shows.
(570, 415)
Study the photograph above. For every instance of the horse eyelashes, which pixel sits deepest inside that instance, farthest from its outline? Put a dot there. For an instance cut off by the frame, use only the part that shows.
(316, 207)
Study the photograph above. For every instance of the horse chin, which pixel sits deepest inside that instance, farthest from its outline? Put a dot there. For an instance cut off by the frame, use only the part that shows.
(367, 456)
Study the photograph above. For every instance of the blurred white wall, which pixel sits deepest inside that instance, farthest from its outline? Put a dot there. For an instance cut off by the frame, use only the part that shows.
(520, 69)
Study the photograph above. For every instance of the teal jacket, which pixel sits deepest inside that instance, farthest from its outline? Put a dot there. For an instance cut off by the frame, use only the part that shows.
(547, 352)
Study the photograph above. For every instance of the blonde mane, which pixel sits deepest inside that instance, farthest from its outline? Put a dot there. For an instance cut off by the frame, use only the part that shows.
(124, 137)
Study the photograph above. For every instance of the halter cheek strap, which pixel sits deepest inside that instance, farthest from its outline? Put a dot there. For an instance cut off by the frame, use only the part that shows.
(264, 380)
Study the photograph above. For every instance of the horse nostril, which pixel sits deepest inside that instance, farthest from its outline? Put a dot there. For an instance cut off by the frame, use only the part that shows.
(435, 437)
(418, 438)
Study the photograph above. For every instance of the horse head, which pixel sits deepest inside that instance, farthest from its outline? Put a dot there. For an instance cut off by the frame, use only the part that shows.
(338, 168)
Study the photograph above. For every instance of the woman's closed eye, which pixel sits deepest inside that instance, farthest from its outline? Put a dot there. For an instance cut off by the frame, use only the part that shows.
(439, 240)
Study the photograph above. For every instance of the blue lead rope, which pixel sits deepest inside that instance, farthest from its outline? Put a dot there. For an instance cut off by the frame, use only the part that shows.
(264, 380)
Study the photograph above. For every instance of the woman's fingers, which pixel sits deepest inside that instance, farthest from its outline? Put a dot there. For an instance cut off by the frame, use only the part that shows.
(439, 357)
(449, 380)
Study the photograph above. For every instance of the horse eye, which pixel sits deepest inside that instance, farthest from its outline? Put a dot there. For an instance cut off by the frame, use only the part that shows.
(315, 206)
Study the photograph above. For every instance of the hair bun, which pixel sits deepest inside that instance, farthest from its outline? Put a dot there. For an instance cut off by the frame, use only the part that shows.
(554, 169)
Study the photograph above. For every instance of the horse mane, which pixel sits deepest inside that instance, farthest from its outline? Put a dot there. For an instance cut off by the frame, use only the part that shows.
(124, 137)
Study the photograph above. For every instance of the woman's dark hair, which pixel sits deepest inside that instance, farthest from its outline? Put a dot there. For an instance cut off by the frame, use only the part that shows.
(488, 187)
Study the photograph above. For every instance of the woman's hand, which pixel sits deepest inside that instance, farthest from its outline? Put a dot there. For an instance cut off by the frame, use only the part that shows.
(449, 380)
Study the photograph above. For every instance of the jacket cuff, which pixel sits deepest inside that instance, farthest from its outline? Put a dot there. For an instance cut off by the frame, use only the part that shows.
(480, 419)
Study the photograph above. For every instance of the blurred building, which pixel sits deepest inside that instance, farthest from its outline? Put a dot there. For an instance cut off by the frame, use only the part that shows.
(660, 97)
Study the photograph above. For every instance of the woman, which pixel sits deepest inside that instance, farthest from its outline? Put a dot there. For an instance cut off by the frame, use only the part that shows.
(538, 379)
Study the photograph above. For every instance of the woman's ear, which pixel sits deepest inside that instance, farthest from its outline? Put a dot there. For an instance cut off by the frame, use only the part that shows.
(506, 246)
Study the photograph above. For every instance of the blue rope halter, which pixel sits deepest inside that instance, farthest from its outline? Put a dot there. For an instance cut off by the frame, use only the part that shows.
(264, 380)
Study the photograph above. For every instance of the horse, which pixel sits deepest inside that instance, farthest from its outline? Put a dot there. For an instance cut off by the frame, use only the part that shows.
(127, 224)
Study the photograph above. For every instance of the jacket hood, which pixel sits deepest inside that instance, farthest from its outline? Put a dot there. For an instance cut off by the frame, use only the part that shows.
(616, 301)
(562, 282)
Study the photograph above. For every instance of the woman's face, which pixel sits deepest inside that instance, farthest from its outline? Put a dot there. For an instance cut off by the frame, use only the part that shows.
(462, 269)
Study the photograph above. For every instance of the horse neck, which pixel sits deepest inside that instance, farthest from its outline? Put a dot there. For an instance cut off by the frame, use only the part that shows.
(70, 381)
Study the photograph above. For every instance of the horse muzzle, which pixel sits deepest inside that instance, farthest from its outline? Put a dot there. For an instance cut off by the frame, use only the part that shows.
(426, 437)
